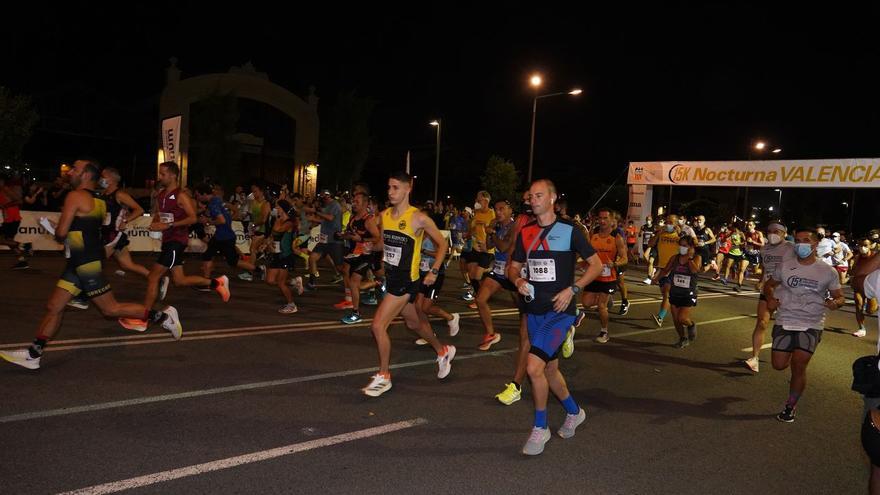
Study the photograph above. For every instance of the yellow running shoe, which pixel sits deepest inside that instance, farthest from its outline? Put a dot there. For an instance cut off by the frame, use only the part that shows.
(510, 395)
(568, 345)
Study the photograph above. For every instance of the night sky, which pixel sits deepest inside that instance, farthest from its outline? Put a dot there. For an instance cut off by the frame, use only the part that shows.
(693, 82)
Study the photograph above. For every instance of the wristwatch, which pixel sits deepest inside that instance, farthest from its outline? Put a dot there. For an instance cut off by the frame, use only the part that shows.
(435, 271)
(575, 289)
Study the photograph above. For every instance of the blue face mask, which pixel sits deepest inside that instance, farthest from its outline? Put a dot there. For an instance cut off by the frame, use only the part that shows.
(670, 228)
(804, 250)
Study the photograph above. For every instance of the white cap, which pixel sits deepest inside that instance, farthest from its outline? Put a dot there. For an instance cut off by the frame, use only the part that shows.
(469, 210)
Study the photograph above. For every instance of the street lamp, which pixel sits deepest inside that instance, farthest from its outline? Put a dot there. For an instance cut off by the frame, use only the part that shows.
(777, 150)
(760, 145)
(536, 82)
(437, 123)
(779, 205)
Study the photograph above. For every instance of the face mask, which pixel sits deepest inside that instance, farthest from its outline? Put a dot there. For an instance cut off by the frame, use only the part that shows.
(649, 223)
(775, 239)
(102, 183)
(864, 250)
(683, 250)
(477, 206)
(804, 250)
(670, 228)
(751, 230)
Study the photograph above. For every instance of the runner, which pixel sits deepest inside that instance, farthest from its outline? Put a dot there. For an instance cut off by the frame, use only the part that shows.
(774, 253)
(802, 303)
(329, 244)
(682, 270)
(260, 211)
(705, 240)
(840, 257)
(403, 228)
(723, 250)
(649, 252)
(173, 216)
(549, 247)
(754, 243)
(480, 258)
(10, 220)
(284, 254)
(735, 257)
(667, 246)
(612, 254)
(428, 294)
(621, 271)
(363, 232)
(864, 304)
(223, 241)
(79, 228)
(631, 239)
(501, 239)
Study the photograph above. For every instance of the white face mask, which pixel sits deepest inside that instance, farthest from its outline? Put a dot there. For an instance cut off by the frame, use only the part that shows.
(683, 250)
(477, 206)
(102, 183)
(864, 250)
(775, 238)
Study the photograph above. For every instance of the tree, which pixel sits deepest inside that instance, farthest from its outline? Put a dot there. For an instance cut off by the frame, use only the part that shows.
(17, 121)
(215, 154)
(500, 179)
(345, 139)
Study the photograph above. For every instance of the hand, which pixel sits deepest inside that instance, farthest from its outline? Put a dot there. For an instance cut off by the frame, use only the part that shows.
(562, 300)
(159, 226)
(429, 279)
(831, 304)
(523, 288)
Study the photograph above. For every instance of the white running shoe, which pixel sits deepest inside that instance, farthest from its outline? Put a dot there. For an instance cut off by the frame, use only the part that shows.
(163, 287)
(572, 421)
(377, 386)
(288, 309)
(860, 333)
(172, 322)
(298, 285)
(647, 281)
(602, 338)
(453, 324)
(753, 364)
(535, 444)
(444, 363)
(22, 358)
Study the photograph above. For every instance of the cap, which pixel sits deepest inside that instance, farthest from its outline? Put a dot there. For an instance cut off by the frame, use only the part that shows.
(836, 234)
(777, 226)
(469, 210)
(326, 192)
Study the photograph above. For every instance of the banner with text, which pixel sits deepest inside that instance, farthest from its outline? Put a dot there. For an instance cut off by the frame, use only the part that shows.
(171, 139)
(847, 173)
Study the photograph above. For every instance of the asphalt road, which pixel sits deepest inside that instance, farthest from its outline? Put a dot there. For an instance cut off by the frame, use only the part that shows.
(254, 401)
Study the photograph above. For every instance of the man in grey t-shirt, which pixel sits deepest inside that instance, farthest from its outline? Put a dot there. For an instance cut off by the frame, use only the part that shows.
(802, 291)
(330, 217)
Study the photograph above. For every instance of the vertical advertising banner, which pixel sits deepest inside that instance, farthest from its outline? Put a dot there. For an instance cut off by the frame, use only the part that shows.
(640, 199)
(171, 139)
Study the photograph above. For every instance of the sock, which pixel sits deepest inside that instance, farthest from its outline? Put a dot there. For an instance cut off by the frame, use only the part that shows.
(570, 405)
(156, 316)
(661, 314)
(214, 283)
(516, 384)
(36, 349)
(541, 418)
(348, 295)
(792, 399)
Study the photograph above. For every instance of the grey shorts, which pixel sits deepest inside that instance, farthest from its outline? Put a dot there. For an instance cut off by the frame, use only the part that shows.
(331, 249)
(789, 340)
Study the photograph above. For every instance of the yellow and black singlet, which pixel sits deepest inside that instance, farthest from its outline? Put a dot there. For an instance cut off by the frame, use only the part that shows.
(403, 246)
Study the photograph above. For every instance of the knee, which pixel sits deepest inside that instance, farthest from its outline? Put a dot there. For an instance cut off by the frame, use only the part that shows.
(779, 366)
(535, 368)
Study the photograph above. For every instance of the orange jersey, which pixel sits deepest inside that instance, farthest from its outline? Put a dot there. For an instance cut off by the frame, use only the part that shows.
(606, 247)
(631, 234)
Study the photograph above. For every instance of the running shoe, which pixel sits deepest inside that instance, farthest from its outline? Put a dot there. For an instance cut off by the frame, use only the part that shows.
(247, 277)
(298, 285)
(344, 304)
(444, 362)
(135, 324)
(572, 421)
(535, 444)
(472, 305)
(657, 320)
(378, 385)
(787, 414)
(860, 333)
(581, 315)
(351, 318)
(509, 395)
(21, 265)
(288, 309)
(223, 287)
(568, 345)
(172, 322)
(489, 340)
(336, 279)
(602, 338)
(453, 324)
(753, 364)
(682, 343)
(647, 281)
(79, 302)
(624, 308)
(370, 300)
(468, 297)
(22, 358)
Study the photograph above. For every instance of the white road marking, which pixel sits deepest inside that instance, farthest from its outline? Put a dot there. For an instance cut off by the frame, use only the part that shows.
(230, 462)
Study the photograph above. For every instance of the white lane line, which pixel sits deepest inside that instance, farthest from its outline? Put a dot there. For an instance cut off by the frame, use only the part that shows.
(230, 462)
(765, 346)
(288, 381)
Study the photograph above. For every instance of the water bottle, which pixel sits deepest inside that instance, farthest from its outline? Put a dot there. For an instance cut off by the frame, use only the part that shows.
(531, 297)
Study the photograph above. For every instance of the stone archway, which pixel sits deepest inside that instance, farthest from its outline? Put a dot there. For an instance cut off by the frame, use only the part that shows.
(179, 95)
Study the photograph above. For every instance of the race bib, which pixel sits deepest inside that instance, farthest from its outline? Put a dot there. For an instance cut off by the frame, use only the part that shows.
(166, 218)
(276, 246)
(322, 238)
(392, 255)
(542, 270)
(683, 281)
(499, 268)
(606, 271)
(424, 266)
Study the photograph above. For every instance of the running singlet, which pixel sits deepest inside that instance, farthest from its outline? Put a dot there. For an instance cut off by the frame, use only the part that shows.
(113, 219)
(402, 246)
(10, 213)
(282, 243)
(359, 226)
(498, 269)
(606, 248)
(736, 243)
(482, 219)
(256, 215)
(667, 246)
(631, 235)
(427, 260)
(84, 241)
(550, 254)
(755, 236)
(171, 211)
(723, 243)
(647, 234)
(684, 281)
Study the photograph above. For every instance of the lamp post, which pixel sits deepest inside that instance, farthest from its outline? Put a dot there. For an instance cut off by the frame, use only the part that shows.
(438, 124)
(536, 82)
